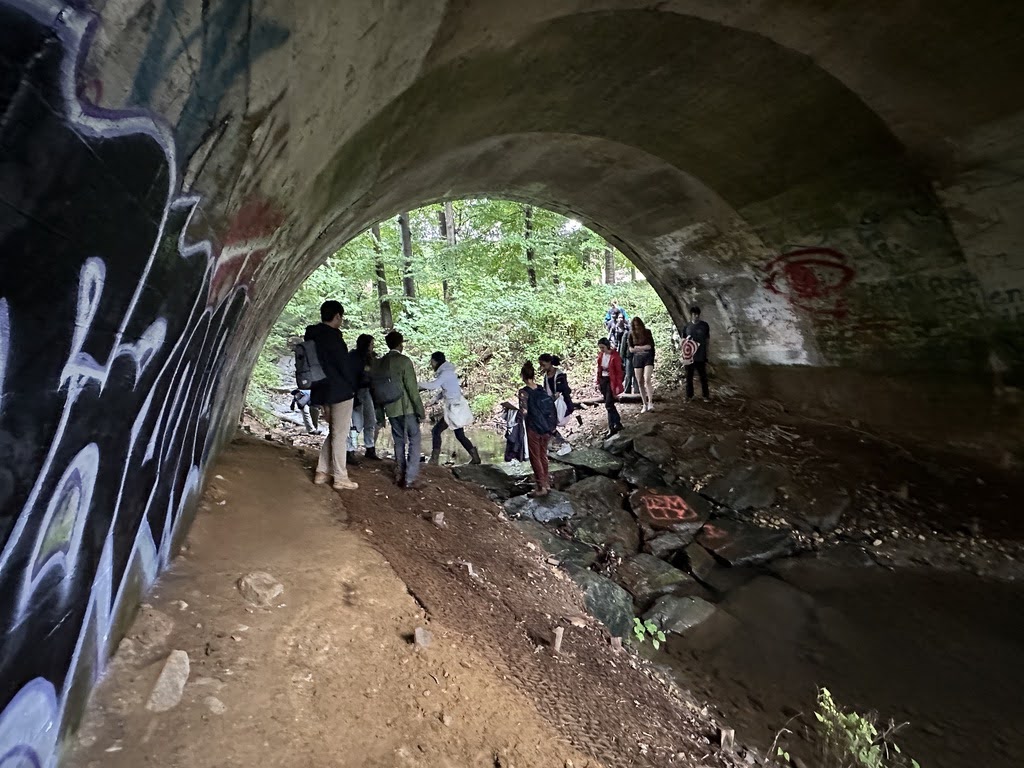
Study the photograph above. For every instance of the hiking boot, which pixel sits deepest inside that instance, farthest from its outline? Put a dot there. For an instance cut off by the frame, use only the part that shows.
(474, 456)
(345, 485)
(435, 457)
(352, 458)
(321, 478)
(371, 453)
(415, 485)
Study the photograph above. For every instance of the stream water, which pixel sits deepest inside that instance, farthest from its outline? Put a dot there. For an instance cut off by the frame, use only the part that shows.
(944, 652)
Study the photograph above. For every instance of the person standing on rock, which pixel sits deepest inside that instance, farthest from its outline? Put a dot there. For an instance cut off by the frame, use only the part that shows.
(641, 350)
(457, 413)
(394, 381)
(609, 382)
(364, 415)
(334, 393)
(539, 417)
(697, 336)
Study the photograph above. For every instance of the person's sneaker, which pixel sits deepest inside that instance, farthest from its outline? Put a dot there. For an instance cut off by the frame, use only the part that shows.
(563, 449)
(321, 478)
(345, 485)
(650, 408)
(415, 485)
(371, 453)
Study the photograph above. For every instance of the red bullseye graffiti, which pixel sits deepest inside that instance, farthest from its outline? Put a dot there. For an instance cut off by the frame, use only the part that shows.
(689, 349)
(812, 279)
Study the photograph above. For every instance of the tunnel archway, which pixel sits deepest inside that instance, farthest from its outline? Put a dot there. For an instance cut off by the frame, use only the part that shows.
(168, 176)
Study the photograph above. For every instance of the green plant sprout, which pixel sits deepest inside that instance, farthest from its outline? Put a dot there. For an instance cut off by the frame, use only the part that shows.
(643, 629)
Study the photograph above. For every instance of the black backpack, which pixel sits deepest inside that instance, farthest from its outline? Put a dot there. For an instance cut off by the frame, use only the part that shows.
(384, 389)
(541, 415)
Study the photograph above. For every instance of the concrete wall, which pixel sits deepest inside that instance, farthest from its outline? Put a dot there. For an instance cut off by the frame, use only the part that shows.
(838, 185)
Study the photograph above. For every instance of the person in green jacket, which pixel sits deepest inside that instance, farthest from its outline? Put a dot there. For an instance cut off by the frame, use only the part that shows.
(405, 413)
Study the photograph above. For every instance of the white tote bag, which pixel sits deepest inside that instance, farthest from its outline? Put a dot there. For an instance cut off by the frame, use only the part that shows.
(457, 413)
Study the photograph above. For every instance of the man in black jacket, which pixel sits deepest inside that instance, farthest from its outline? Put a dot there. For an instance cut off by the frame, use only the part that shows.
(334, 393)
(699, 332)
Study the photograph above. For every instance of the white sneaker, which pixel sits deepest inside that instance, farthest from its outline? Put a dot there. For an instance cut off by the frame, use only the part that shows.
(563, 449)
(650, 408)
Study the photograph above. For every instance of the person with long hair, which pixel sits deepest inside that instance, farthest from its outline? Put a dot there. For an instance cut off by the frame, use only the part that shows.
(537, 411)
(457, 413)
(641, 350)
(556, 384)
(609, 382)
(364, 412)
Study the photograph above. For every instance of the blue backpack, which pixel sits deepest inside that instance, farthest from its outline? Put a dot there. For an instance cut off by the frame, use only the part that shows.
(541, 415)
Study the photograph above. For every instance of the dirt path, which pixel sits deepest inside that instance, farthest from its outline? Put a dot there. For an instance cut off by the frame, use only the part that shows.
(328, 675)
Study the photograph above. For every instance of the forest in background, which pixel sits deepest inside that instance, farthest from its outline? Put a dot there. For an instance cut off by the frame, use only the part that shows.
(491, 283)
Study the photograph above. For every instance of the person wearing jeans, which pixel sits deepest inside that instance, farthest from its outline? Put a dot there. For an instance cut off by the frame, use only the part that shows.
(364, 416)
(609, 382)
(334, 393)
(405, 413)
(697, 332)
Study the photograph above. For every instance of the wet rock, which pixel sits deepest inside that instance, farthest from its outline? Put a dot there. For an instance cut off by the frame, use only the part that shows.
(751, 486)
(499, 485)
(740, 544)
(646, 577)
(654, 449)
(555, 507)
(622, 442)
(260, 588)
(679, 614)
(601, 519)
(676, 509)
(722, 579)
(593, 461)
(699, 561)
(642, 474)
(567, 551)
(562, 475)
(606, 600)
(820, 514)
(729, 447)
(695, 444)
(170, 685)
(666, 545)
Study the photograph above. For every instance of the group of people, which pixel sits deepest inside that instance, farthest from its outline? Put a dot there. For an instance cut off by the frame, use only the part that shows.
(359, 390)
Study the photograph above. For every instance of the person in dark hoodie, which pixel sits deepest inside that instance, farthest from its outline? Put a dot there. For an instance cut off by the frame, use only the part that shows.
(334, 393)
(364, 412)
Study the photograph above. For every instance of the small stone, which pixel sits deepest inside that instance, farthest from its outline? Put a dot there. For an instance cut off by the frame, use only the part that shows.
(446, 720)
(215, 705)
(170, 685)
(260, 588)
(422, 637)
(876, 543)
(726, 738)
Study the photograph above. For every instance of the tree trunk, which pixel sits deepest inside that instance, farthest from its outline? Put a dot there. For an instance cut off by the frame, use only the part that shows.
(632, 273)
(387, 320)
(408, 283)
(531, 267)
(609, 265)
(446, 224)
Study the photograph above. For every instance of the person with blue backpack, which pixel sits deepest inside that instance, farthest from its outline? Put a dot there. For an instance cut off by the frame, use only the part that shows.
(539, 416)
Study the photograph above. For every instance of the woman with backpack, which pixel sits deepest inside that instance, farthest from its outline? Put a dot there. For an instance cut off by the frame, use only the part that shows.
(556, 384)
(609, 382)
(537, 411)
(641, 350)
(457, 413)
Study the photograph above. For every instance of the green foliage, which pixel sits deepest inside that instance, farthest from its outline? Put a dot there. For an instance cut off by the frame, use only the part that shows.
(644, 629)
(845, 739)
(494, 319)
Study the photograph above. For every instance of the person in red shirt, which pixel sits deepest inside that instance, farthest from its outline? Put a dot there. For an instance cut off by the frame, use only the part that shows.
(609, 382)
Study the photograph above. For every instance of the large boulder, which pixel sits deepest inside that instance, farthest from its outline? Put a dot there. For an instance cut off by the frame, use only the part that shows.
(600, 519)
(729, 447)
(592, 461)
(498, 484)
(699, 561)
(642, 473)
(676, 509)
(750, 486)
(565, 550)
(741, 544)
(654, 449)
(562, 475)
(646, 577)
(556, 507)
(679, 614)
(606, 600)
(821, 512)
(622, 442)
(665, 545)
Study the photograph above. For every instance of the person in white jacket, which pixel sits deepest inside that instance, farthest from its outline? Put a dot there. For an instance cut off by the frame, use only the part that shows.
(457, 413)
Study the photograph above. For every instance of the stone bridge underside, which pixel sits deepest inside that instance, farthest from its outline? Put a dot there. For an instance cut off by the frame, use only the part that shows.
(837, 183)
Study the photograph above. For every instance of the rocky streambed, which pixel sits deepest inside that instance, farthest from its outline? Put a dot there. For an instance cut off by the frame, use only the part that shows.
(770, 586)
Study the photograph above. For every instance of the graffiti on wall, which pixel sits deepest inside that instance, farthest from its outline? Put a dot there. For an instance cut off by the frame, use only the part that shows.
(107, 379)
(811, 279)
(228, 36)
